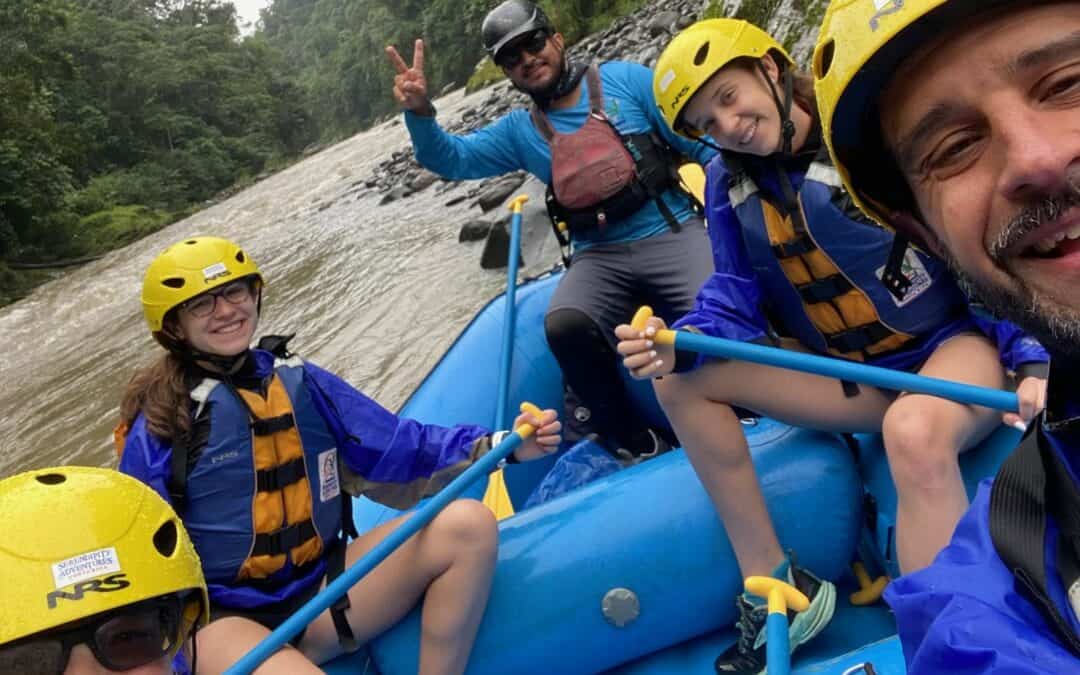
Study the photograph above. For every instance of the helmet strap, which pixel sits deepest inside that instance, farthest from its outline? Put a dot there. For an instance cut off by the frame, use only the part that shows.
(787, 127)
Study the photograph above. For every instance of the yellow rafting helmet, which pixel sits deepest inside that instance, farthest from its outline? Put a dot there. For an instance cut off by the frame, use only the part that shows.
(188, 268)
(860, 46)
(695, 54)
(79, 541)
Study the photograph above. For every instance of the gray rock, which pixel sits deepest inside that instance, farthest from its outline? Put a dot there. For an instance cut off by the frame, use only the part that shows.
(396, 193)
(495, 192)
(422, 180)
(495, 247)
(664, 22)
(450, 86)
(474, 230)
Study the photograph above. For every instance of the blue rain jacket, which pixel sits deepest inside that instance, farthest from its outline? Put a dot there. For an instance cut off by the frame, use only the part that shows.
(399, 461)
(962, 615)
(730, 303)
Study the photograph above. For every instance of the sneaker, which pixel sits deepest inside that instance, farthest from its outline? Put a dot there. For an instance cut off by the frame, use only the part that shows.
(747, 655)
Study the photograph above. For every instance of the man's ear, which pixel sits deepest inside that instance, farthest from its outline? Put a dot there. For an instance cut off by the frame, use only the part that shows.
(919, 232)
(557, 38)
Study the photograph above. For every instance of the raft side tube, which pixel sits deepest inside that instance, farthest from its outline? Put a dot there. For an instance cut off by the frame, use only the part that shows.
(652, 530)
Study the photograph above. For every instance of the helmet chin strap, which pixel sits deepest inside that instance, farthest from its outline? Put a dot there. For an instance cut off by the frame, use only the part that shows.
(787, 127)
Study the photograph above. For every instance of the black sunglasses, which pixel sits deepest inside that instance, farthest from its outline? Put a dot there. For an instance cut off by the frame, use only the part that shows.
(122, 639)
(511, 55)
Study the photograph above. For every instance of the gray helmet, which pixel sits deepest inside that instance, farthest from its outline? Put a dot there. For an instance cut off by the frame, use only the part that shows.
(509, 20)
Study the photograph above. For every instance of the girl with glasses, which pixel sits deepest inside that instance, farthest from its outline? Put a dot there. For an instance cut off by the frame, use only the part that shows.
(259, 450)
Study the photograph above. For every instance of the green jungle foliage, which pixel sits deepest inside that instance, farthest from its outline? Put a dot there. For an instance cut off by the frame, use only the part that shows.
(120, 116)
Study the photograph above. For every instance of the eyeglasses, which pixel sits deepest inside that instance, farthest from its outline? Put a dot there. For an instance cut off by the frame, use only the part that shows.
(122, 639)
(510, 56)
(203, 305)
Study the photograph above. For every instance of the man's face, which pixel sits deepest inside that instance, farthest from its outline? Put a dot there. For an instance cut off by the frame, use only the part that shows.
(533, 62)
(985, 125)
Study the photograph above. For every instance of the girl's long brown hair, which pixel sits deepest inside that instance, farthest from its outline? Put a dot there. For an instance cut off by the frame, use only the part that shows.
(161, 394)
(802, 90)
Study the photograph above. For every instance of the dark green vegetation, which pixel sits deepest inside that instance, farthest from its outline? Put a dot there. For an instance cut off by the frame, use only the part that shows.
(120, 116)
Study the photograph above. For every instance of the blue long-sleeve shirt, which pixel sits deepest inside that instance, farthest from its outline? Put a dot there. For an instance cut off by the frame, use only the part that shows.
(512, 143)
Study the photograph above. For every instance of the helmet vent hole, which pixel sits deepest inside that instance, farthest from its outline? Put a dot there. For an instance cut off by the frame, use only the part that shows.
(191, 242)
(173, 282)
(51, 478)
(823, 58)
(165, 539)
(702, 54)
(240, 256)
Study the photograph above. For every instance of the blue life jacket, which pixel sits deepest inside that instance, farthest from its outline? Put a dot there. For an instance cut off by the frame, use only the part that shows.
(822, 272)
(264, 496)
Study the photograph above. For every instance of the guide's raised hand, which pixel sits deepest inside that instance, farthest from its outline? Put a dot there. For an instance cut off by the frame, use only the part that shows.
(410, 85)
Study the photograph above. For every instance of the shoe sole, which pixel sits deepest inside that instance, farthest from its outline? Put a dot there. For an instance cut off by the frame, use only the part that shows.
(826, 607)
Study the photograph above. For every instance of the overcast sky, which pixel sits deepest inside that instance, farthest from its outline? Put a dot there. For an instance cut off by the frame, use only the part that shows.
(249, 11)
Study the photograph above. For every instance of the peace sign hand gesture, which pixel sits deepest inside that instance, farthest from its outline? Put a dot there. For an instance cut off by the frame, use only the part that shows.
(410, 85)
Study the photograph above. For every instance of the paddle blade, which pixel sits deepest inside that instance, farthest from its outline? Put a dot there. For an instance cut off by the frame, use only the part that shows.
(497, 498)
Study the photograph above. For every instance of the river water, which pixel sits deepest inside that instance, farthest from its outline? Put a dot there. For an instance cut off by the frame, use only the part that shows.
(374, 293)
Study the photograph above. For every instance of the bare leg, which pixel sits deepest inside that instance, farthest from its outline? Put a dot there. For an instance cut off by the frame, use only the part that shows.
(923, 436)
(451, 559)
(450, 562)
(697, 403)
(226, 640)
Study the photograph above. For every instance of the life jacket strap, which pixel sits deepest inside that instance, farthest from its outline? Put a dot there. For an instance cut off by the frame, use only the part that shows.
(270, 480)
(284, 540)
(823, 290)
(1031, 484)
(335, 565)
(858, 338)
(272, 425)
(800, 245)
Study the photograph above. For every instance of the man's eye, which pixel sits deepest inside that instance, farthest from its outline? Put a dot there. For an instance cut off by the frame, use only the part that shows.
(951, 153)
(1063, 84)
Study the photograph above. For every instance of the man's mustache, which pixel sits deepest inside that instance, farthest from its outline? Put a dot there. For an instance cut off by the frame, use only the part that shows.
(1035, 215)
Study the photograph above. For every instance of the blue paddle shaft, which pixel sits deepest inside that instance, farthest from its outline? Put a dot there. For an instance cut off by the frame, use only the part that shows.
(506, 357)
(776, 646)
(337, 588)
(851, 371)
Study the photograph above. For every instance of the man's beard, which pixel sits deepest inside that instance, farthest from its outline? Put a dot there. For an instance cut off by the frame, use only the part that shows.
(566, 78)
(1056, 325)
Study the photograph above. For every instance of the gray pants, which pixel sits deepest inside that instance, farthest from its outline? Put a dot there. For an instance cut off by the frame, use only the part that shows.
(603, 288)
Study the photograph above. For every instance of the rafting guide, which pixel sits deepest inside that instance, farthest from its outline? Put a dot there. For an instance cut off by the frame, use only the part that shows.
(593, 134)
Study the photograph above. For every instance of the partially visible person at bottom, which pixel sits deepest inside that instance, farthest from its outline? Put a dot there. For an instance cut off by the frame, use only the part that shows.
(793, 256)
(959, 122)
(99, 576)
(259, 450)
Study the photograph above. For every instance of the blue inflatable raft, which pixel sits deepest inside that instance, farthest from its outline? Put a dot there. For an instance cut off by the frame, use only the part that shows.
(633, 573)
